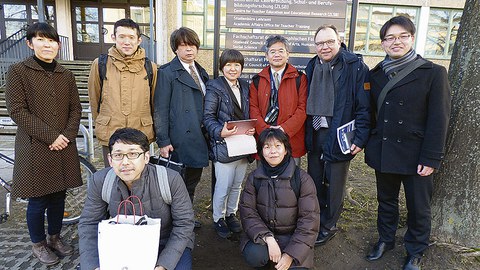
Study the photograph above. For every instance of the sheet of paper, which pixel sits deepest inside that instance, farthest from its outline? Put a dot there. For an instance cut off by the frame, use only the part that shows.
(240, 144)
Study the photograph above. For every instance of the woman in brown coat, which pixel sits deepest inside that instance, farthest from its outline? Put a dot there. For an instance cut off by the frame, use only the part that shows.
(42, 99)
(279, 208)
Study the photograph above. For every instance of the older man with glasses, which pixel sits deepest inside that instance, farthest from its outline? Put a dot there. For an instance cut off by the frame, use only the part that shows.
(337, 94)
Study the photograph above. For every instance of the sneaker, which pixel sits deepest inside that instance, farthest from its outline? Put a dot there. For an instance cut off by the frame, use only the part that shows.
(222, 228)
(233, 223)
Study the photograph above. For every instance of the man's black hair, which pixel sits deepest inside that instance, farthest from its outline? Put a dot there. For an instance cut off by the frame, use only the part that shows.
(129, 136)
(270, 134)
(398, 20)
(184, 35)
(42, 29)
(128, 23)
(274, 39)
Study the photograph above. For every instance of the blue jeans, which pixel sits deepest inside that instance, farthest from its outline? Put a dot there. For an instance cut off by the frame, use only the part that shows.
(185, 262)
(54, 204)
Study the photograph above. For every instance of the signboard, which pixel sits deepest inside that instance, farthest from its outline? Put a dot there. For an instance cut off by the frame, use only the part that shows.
(282, 23)
(255, 42)
(259, 62)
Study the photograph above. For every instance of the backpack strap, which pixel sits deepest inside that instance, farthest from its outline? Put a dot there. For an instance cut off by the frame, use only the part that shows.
(256, 81)
(148, 68)
(108, 185)
(102, 73)
(163, 184)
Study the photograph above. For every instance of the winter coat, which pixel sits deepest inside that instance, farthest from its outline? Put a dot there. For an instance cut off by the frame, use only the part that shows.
(127, 98)
(177, 221)
(291, 101)
(219, 107)
(43, 105)
(275, 210)
(411, 128)
(179, 113)
(351, 103)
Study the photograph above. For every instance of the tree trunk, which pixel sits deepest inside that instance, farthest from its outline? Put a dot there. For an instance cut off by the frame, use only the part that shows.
(456, 196)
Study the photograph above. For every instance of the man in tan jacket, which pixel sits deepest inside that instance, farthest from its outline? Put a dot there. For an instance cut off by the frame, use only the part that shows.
(124, 98)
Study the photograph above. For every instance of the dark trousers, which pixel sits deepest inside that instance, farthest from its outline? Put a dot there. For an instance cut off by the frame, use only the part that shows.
(329, 179)
(418, 194)
(256, 256)
(192, 178)
(55, 205)
(185, 262)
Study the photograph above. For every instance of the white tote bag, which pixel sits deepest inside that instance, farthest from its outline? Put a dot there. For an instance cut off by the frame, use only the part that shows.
(128, 241)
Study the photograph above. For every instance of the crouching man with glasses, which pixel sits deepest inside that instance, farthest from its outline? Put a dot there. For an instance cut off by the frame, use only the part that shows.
(129, 158)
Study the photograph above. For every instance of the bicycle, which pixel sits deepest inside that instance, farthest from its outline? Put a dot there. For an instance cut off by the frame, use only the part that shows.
(75, 197)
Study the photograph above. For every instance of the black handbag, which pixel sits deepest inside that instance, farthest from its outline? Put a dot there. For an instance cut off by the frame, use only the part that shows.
(168, 163)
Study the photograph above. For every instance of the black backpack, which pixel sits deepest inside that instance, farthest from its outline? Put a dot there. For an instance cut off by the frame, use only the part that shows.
(295, 182)
(102, 72)
(298, 80)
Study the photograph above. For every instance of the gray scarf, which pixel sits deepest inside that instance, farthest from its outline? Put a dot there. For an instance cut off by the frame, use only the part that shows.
(392, 66)
(321, 98)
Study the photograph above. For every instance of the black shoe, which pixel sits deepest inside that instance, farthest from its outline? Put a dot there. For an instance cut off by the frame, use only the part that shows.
(233, 223)
(222, 229)
(378, 250)
(198, 224)
(324, 237)
(412, 262)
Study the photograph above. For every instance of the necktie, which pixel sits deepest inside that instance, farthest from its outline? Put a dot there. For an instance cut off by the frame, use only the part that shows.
(316, 121)
(195, 77)
(276, 79)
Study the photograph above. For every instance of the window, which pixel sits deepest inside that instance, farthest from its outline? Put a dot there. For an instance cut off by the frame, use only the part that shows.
(18, 16)
(442, 32)
(198, 15)
(370, 19)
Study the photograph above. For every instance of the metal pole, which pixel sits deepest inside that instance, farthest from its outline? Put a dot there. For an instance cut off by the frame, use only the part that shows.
(41, 11)
(216, 39)
(152, 40)
(353, 25)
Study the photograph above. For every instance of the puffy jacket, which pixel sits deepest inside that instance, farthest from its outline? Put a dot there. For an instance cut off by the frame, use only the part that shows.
(177, 220)
(275, 210)
(219, 107)
(127, 98)
(351, 102)
(292, 103)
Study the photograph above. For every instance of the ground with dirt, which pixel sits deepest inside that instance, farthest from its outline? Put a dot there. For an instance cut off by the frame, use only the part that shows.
(346, 251)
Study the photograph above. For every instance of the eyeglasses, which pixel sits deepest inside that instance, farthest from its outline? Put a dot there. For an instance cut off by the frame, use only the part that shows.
(402, 38)
(280, 52)
(130, 155)
(329, 43)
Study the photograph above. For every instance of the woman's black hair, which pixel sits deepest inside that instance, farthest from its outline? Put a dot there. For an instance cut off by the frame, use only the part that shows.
(270, 134)
(231, 56)
(398, 20)
(42, 29)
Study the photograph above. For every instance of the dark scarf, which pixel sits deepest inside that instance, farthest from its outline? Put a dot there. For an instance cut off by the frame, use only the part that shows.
(392, 66)
(46, 66)
(277, 170)
(321, 96)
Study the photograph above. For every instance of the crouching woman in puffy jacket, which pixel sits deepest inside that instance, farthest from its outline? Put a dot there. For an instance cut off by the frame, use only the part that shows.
(278, 208)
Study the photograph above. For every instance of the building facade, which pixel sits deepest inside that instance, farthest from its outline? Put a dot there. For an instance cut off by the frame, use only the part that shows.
(88, 24)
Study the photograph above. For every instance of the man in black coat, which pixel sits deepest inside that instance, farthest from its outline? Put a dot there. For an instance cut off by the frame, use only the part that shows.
(407, 142)
(178, 111)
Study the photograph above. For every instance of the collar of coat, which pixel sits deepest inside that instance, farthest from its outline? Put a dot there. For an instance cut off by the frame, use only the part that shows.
(289, 72)
(31, 63)
(378, 75)
(133, 63)
(259, 173)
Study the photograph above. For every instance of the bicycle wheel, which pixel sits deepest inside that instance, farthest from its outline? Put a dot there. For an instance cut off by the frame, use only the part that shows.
(75, 197)
(6, 175)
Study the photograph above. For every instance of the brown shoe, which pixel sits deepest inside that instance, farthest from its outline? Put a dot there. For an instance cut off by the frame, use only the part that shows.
(56, 243)
(44, 254)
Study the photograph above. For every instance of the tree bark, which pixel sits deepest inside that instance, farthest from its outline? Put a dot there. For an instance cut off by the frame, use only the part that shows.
(456, 196)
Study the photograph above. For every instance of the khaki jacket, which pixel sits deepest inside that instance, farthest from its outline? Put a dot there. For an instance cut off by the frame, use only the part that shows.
(127, 99)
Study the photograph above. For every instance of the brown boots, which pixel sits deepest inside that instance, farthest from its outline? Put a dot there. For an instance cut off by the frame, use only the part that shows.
(44, 254)
(44, 251)
(56, 243)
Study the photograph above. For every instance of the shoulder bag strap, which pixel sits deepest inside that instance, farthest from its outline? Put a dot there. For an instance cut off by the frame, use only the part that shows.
(402, 74)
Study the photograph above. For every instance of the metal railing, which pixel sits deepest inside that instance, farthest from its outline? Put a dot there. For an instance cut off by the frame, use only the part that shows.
(14, 49)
